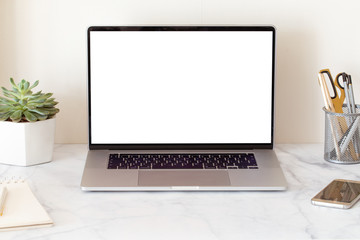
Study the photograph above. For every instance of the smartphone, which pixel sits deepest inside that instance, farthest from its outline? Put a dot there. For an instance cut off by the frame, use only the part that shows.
(339, 193)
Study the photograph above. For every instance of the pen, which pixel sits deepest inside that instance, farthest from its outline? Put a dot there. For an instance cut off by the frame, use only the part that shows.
(351, 95)
(347, 93)
(349, 134)
(330, 107)
(3, 193)
(353, 108)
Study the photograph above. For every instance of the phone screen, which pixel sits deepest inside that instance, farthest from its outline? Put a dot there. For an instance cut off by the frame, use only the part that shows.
(340, 191)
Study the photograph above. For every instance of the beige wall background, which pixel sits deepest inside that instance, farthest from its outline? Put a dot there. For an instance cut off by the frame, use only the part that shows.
(46, 40)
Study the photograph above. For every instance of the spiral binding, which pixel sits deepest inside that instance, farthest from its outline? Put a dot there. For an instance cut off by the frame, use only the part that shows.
(12, 179)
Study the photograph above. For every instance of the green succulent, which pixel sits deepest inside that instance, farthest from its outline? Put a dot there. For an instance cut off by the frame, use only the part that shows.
(22, 105)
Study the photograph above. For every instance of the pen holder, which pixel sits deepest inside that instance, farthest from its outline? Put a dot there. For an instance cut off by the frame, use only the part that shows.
(342, 136)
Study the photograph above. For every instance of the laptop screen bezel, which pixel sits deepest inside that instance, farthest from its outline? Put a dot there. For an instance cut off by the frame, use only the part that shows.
(192, 146)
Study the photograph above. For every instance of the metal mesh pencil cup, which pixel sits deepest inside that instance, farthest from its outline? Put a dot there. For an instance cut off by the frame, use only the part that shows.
(342, 136)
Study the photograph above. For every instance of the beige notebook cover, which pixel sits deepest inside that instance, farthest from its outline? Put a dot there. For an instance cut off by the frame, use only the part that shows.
(22, 210)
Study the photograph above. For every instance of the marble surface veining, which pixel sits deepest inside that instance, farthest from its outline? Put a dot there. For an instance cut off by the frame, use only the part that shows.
(189, 215)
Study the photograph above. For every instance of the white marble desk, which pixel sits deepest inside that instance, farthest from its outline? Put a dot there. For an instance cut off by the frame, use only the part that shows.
(189, 215)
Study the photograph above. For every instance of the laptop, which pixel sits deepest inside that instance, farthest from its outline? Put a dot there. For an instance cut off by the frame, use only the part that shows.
(181, 108)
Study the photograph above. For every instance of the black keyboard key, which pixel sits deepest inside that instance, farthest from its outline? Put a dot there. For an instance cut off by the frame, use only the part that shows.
(182, 161)
(232, 167)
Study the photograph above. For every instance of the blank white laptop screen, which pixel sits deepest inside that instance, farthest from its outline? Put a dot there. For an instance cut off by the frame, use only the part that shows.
(175, 87)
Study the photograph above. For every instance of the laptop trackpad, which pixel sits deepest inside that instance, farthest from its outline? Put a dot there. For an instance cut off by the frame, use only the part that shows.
(184, 178)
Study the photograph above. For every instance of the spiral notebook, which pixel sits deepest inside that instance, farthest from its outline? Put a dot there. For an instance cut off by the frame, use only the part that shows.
(22, 210)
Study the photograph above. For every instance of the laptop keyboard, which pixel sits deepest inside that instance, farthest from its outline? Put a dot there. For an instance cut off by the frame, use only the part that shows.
(182, 161)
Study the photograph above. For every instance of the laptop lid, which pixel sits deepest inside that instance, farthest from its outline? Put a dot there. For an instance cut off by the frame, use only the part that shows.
(181, 87)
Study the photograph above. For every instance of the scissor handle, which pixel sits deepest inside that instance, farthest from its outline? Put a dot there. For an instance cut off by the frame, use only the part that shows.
(327, 71)
(337, 100)
(345, 78)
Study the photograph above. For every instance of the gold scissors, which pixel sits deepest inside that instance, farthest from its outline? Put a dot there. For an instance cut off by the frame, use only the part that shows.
(337, 94)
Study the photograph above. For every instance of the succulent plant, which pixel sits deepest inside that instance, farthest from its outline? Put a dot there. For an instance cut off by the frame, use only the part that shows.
(22, 105)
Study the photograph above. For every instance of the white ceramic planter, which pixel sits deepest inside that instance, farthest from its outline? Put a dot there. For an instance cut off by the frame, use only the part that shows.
(25, 144)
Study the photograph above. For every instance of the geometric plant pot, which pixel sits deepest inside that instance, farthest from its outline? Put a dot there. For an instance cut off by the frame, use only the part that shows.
(27, 143)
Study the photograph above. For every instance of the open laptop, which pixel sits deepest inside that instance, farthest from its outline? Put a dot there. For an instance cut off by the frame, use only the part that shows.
(181, 108)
